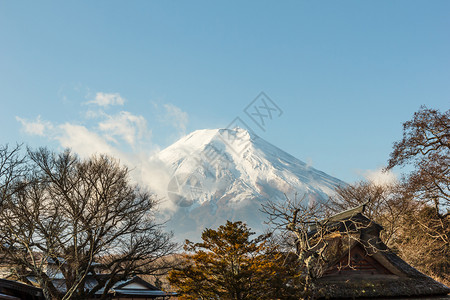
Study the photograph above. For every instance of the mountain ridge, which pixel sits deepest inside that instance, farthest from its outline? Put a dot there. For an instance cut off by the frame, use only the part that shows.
(226, 174)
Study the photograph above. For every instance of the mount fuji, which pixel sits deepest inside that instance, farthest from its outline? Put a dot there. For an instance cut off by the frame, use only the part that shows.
(216, 175)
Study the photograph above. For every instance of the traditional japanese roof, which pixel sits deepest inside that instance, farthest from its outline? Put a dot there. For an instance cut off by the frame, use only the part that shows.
(136, 286)
(136, 280)
(8, 297)
(18, 290)
(350, 220)
(376, 271)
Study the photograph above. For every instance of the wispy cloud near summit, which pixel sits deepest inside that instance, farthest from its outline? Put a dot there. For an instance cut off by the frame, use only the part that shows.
(381, 177)
(107, 99)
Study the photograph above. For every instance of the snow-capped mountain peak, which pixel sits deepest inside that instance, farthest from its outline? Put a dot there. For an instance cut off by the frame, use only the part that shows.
(225, 174)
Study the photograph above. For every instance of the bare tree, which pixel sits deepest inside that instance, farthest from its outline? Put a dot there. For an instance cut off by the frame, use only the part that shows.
(385, 204)
(294, 218)
(86, 219)
(320, 237)
(12, 168)
(426, 145)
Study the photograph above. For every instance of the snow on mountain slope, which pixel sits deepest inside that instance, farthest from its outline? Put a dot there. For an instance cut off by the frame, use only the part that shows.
(226, 174)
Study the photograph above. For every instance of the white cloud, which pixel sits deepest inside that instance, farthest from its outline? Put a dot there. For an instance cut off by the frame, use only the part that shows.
(147, 172)
(155, 175)
(381, 177)
(37, 127)
(82, 141)
(176, 117)
(100, 132)
(125, 125)
(92, 114)
(106, 99)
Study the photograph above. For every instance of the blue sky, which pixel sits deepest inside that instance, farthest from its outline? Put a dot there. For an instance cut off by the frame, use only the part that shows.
(346, 74)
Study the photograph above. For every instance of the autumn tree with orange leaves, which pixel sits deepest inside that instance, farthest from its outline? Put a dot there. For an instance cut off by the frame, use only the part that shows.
(228, 264)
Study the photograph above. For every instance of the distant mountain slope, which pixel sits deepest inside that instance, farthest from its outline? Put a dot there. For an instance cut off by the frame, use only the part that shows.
(225, 174)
